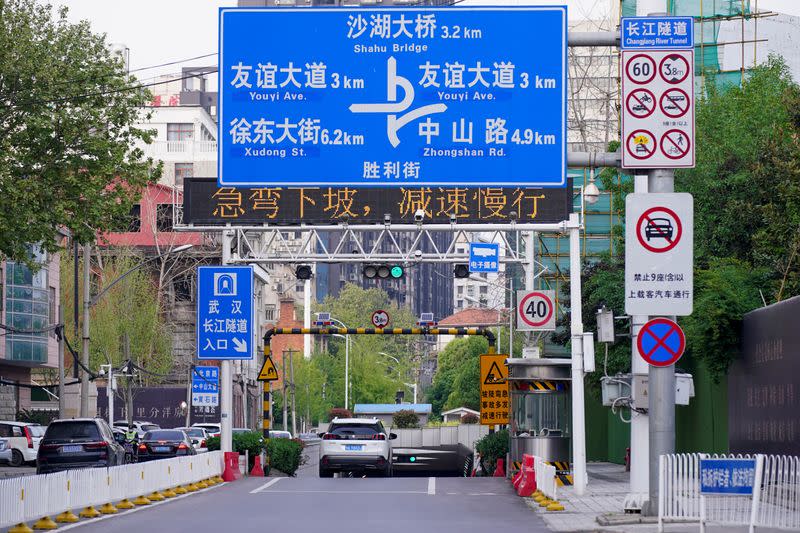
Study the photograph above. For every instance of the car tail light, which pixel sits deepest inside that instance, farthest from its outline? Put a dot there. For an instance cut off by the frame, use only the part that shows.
(142, 448)
(379, 436)
(183, 446)
(330, 436)
(28, 436)
(203, 443)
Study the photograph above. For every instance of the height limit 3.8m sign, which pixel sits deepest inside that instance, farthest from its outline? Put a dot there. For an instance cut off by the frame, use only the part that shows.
(392, 97)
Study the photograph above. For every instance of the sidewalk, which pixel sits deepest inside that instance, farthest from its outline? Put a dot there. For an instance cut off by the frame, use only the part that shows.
(600, 509)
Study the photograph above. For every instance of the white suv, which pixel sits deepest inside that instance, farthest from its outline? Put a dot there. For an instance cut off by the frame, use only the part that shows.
(356, 444)
(23, 440)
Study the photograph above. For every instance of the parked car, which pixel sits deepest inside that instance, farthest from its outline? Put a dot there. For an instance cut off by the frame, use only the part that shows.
(277, 434)
(241, 430)
(5, 451)
(198, 438)
(23, 439)
(212, 428)
(164, 444)
(356, 445)
(141, 427)
(78, 443)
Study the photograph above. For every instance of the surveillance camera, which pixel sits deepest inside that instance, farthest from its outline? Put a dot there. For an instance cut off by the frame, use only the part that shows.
(418, 254)
(419, 215)
(102, 371)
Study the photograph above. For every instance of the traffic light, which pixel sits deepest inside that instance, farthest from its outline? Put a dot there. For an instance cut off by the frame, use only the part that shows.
(461, 271)
(303, 272)
(383, 271)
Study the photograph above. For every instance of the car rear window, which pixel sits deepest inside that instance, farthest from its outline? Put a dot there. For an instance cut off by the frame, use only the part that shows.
(37, 431)
(150, 427)
(163, 434)
(196, 432)
(73, 430)
(355, 431)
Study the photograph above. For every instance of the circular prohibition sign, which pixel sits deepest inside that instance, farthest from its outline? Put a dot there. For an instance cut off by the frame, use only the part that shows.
(661, 342)
(547, 314)
(641, 103)
(659, 227)
(380, 319)
(641, 69)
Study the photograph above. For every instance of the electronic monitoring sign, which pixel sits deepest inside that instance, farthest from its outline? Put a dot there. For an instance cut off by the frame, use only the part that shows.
(401, 97)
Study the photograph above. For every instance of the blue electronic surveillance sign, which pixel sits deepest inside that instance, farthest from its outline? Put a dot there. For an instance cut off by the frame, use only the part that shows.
(484, 257)
(225, 312)
(401, 97)
(656, 33)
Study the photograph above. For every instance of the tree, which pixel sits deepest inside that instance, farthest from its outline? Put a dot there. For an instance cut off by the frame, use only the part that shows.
(405, 419)
(67, 142)
(127, 323)
(457, 379)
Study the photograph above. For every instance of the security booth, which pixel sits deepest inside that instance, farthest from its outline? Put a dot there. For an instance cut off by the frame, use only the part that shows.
(541, 409)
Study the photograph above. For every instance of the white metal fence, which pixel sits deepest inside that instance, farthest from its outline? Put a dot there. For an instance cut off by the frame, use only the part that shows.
(465, 434)
(775, 501)
(25, 499)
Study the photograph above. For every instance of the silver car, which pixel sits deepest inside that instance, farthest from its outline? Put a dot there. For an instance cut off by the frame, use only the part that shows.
(5, 451)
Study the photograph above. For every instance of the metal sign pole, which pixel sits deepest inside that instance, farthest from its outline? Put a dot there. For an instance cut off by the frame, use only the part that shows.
(578, 408)
(226, 376)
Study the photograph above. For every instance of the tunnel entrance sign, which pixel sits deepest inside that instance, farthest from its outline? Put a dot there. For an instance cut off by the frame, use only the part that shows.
(494, 389)
(225, 312)
(397, 97)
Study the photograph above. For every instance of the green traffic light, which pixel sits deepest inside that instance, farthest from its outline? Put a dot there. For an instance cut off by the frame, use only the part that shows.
(397, 272)
(412, 459)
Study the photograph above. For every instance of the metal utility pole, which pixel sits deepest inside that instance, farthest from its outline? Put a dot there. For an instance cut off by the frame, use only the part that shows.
(285, 400)
(576, 331)
(226, 376)
(189, 395)
(61, 342)
(75, 301)
(294, 405)
(87, 264)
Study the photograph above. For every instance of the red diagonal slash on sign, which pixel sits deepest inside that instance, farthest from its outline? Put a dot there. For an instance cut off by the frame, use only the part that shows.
(660, 341)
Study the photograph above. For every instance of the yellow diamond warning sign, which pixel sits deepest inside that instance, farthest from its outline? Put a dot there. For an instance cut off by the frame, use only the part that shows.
(268, 371)
(495, 401)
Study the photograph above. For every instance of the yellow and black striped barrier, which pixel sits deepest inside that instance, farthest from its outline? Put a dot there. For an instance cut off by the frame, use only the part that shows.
(540, 385)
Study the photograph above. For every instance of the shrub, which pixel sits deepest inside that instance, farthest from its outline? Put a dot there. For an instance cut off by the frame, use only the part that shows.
(339, 412)
(492, 447)
(212, 443)
(470, 418)
(405, 418)
(284, 455)
(251, 441)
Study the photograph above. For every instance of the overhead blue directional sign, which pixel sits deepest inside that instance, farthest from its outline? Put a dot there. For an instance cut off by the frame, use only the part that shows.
(656, 33)
(402, 97)
(484, 257)
(205, 386)
(727, 476)
(225, 312)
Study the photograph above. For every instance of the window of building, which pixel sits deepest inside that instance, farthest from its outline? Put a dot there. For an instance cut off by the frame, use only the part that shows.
(460, 304)
(28, 310)
(300, 287)
(183, 171)
(135, 220)
(180, 131)
(269, 313)
(484, 289)
(460, 290)
(164, 218)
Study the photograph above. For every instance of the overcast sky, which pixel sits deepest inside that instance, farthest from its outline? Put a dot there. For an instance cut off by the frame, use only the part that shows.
(160, 31)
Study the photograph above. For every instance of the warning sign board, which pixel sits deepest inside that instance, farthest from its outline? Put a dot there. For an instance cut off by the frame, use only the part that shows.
(536, 310)
(495, 399)
(658, 115)
(659, 254)
(268, 371)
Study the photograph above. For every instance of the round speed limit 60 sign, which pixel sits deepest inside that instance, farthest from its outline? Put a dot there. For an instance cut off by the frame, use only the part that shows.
(536, 311)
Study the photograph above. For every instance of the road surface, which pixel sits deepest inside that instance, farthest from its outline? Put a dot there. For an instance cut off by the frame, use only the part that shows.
(352, 505)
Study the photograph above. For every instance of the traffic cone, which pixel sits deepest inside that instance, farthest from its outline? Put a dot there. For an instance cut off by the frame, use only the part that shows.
(500, 470)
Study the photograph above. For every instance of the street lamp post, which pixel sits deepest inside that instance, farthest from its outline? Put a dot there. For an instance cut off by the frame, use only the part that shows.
(346, 362)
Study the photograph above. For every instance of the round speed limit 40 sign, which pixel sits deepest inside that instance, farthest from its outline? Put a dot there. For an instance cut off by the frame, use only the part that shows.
(536, 310)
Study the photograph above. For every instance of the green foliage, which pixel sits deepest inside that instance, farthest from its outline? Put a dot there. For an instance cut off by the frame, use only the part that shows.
(127, 322)
(469, 418)
(213, 444)
(405, 419)
(284, 455)
(492, 447)
(457, 379)
(66, 131)
(251, 441)
(726, 290)
(746, 184)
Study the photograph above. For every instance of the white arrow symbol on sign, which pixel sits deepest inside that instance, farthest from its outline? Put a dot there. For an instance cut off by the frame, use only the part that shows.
(241, 346)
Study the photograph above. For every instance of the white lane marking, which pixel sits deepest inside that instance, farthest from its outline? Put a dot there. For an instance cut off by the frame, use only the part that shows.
(431, 486)
(266, 485)
(135, 510)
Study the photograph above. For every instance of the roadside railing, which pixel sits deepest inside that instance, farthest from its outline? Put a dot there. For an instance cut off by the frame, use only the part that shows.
(773, 502)
(545, 478)
(56, 496)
